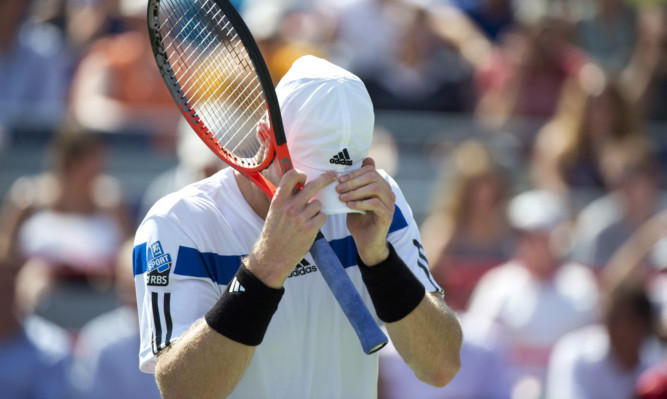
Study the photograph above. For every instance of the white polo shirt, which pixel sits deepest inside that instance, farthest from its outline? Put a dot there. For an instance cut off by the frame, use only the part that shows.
(189, 247)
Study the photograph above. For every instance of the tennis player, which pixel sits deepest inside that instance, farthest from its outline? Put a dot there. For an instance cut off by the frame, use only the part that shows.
(232, 304)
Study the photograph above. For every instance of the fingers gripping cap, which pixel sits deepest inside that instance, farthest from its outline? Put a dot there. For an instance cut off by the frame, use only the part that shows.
(328, 119)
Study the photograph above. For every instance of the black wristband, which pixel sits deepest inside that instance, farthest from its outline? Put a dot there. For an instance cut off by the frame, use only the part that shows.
(245, 309)
(394, 289)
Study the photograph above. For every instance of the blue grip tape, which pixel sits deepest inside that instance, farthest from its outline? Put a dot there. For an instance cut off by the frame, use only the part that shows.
(371, 336)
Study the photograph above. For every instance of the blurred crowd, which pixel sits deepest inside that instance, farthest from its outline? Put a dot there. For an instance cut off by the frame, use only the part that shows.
(554, 254)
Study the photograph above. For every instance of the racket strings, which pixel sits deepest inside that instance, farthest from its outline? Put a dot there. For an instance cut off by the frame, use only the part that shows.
(180, 61)
(187, 61)
(215, 74)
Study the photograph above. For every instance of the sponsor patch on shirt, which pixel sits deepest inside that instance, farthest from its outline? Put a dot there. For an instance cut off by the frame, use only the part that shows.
(158, 264)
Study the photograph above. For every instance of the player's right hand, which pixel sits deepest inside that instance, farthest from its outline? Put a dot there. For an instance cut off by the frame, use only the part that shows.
(290, 228)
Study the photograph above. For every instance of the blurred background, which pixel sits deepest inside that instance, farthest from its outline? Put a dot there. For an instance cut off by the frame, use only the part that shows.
(528, 136)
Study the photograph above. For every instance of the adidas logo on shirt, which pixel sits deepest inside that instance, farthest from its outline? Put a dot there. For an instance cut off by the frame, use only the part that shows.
(304, 267)
(235, 286)
(342, 158)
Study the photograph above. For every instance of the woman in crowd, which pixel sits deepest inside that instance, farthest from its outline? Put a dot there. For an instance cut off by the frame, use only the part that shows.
(467, 233)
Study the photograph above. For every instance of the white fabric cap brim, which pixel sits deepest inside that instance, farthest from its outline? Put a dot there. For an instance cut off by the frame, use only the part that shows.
(328, 196)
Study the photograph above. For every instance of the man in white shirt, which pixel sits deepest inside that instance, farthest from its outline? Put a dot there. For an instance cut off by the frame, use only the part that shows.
(606, 360)
(536, 297)
(230, 301)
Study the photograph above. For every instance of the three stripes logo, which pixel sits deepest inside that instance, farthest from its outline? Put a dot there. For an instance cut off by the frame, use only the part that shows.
(235, 286)
(422, 262)
(342, 158)
(160, 313)
(304, 267)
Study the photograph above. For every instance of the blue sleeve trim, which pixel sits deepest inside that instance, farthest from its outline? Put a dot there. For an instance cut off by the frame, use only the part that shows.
(346, 249)
(398, 222)
(139, 259)
(192, 263)
(222, 268)
(218, 268)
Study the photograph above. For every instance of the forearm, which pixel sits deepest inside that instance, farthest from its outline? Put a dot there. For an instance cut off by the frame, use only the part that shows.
(429, 340)
(210, 359)
(201, 364)
(424, 330)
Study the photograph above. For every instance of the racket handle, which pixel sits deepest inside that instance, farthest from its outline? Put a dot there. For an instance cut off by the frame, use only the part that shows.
(371, 336)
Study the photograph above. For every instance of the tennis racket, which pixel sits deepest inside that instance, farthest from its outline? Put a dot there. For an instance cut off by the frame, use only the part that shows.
(217, 77)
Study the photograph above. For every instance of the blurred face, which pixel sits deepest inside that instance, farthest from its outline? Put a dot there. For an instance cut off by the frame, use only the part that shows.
(638, 191)
(545, 46)
(627, 331)
(87, 168)
(535, 252)
(484, 194)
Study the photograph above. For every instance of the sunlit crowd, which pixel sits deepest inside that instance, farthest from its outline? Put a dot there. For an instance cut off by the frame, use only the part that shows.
(555, 260)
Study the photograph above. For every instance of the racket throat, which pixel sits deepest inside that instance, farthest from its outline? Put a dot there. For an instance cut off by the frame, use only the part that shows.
(264, 184)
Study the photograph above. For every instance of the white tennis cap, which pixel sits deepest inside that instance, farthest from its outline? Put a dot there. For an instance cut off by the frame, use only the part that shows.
(328, 119)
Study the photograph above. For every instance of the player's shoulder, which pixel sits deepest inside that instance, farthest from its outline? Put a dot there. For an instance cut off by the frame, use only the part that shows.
(389, 179)
(194, 199)
(400, 198)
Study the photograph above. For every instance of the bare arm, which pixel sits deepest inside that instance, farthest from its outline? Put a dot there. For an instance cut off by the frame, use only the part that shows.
(637, 76)
(429, 337)
(629, 258)
(546, 158)
(203, 363)
(429, 340)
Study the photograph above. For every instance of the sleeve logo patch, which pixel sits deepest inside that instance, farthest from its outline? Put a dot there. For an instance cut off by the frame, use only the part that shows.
(158, 264)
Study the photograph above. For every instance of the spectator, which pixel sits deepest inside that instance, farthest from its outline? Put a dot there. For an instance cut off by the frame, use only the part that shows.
(525, 74)
(646, 76)
(605, 361)
(482, 354)
(34, 352)
(493, 17)
(367, 34)
(117, 85)
(644, 257)
(537, 297)
(609, 34)
(33, 70)
(468, 233)
(68, 221)
(86, 21)
(592, 114)
(285, 32)
(423, 73)
(105, 355)
(604, 225)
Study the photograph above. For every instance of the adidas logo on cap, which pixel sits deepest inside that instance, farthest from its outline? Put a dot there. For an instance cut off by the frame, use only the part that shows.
(342, 158)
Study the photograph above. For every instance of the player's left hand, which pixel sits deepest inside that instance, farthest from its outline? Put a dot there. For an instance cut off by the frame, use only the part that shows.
(365, 189)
